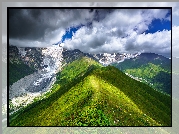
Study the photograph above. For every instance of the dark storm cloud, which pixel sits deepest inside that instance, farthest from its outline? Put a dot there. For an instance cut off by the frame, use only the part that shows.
(38, 24)
(24, 24)
(100, 14)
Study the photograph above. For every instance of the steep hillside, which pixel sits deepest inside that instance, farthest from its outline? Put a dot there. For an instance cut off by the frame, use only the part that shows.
(86, 94)
(18, 71)
(17, 68)
(152, 69)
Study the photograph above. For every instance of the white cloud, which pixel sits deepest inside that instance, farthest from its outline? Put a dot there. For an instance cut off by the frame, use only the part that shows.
(117, 31)
(121, 31)
(159, 42)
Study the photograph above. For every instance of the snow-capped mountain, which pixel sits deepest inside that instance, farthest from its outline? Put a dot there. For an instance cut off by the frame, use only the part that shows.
(103, 58)
(107, 58)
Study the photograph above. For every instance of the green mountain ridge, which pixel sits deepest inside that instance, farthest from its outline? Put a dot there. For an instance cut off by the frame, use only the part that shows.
(87, 94)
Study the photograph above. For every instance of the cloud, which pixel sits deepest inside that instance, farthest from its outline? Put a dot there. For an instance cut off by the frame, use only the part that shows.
(111, 30)
(94, 41)
(41, 24)
(159, 42)
(123, 31)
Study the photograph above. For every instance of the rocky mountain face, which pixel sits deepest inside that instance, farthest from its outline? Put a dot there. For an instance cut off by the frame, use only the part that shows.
(29, 56)
(72, 55)
(45, 61)
(107, 58)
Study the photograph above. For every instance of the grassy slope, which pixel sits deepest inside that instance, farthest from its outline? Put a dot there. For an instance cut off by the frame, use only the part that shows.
(90, 95)
(149, 67)
(159, 77)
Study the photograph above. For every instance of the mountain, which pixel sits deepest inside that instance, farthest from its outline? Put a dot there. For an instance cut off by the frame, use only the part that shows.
(87, 94)
(30, 56)
(32, 72)
(20, 64)
(150, 68)
(103, 58)
(72, 55)
(107, 58)
(145, 58)
(24, 61)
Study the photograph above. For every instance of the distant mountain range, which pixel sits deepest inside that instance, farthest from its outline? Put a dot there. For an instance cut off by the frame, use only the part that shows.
(89, 89)
(150, 68)
(103, 58)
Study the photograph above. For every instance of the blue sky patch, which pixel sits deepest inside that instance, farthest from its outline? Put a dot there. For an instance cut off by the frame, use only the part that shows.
(158, 25)
(69, 32)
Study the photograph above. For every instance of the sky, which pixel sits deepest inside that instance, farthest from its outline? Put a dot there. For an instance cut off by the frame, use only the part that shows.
(93, 31)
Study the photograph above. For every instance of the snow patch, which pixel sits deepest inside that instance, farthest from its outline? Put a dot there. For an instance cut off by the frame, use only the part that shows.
(113, 58)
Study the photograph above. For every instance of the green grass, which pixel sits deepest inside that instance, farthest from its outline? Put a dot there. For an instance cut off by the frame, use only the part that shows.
(159, 77)
(152, 69)
(147, 71)
(76, 69)
(150, 101)
(87, 94)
